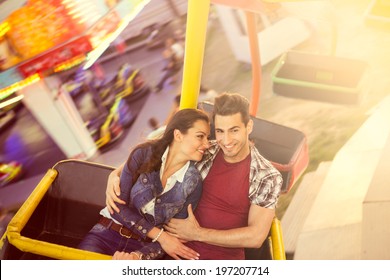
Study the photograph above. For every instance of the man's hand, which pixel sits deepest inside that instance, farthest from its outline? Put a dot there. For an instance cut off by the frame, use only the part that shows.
(176, 249)
(185, 229)
(113, 191)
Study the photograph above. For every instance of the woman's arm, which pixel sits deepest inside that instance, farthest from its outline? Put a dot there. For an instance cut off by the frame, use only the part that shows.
(164, 242)
(128, 215)
(170, 244)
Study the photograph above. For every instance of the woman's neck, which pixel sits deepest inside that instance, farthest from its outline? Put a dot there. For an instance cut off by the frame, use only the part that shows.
(174, 159)
(173, 163)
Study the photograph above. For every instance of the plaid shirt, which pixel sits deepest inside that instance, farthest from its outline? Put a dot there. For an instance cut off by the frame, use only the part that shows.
(265, 181)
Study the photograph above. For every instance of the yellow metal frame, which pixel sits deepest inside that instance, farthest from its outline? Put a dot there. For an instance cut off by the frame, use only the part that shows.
(197, 18)
(278, 252)
(18, 222)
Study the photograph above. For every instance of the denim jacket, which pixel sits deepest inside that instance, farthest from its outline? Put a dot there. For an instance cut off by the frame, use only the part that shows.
(148, 186)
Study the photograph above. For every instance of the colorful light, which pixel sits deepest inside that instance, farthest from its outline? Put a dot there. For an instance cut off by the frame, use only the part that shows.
(19, 85)
(11, 101)
(70, 63)
(4, 28)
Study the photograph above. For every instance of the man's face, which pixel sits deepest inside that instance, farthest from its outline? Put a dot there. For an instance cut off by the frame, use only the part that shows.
(233, 136)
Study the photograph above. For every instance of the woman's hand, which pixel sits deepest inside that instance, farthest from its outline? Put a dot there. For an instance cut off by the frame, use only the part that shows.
(126, 256)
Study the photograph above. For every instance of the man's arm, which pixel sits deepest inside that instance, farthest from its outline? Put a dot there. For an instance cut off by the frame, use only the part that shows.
(251, 236)
(113, 190)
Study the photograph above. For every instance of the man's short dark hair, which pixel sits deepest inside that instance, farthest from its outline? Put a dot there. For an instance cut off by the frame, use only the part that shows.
(227, 104)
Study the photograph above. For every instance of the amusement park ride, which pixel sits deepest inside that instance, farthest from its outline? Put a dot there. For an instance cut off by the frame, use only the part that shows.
(45, 228)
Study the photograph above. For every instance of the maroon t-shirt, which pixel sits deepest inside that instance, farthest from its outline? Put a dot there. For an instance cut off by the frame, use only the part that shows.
(224, 205)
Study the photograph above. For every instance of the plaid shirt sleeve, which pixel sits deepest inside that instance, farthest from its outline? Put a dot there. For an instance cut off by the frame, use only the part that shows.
(265, 181)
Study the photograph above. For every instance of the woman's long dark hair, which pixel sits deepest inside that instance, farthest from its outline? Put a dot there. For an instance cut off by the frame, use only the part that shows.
(183, 120)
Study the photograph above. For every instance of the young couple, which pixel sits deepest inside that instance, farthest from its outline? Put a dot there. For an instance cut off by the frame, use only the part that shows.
(189, 197)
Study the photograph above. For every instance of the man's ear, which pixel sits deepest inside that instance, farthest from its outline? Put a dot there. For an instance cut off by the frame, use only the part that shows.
(249, 126)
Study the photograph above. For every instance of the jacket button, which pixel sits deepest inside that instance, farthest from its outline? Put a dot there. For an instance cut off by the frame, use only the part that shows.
(139, 227)
(144, 180)
(158, 200)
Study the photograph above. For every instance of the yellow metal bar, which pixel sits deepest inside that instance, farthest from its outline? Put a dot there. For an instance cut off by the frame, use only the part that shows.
(277, 240)
(2, 240)
(25, 244)
(197, 17)
(51, 250)
(24, 213)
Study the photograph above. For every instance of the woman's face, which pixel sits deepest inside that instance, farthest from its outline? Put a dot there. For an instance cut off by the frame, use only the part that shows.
(195, 142)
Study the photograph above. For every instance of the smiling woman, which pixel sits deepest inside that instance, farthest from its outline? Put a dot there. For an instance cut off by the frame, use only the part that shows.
(159, 181)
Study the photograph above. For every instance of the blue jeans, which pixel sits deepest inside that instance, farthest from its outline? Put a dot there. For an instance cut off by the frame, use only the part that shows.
(107, 241)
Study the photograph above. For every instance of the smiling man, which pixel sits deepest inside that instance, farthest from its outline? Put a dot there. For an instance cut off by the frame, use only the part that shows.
(240, 189)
